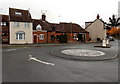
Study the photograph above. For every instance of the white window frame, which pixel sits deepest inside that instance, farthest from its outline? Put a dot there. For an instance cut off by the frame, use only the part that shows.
(41, 36)
(16, 24)
(3, 23)
(27, 25)
(18, 13)
(74, 36)
(38, 27)
(20, 36)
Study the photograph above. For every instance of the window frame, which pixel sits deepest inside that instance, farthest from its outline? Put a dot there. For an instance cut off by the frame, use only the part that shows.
(41, 37)
(20, 35)
(26, 25)
(16, 24)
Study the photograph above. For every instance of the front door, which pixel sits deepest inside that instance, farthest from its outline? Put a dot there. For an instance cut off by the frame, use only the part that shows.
(81, 37)
(35, 39)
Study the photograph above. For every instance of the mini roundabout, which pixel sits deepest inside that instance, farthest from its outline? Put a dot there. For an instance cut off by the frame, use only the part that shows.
(83, 54)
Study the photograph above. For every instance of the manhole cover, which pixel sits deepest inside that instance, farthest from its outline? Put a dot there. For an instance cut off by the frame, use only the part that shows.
(83, 52)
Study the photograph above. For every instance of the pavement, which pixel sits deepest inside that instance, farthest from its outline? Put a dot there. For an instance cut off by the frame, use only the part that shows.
(35, 45)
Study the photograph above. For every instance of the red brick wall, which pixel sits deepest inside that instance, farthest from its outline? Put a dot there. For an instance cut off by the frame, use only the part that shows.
(38, 36)
(55, 34)
(87, 36)
(71, 37)
(47, 37)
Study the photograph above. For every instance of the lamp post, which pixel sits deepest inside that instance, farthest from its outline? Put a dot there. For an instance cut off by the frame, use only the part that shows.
(71, 32)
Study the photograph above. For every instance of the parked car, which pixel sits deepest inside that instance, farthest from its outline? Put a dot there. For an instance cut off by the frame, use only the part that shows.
(111, 38)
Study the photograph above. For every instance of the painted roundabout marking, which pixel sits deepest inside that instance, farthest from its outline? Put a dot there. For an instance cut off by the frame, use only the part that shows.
(83, 52)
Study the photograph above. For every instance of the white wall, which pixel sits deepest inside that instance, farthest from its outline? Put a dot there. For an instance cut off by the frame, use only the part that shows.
(28, 33)
(96, 30)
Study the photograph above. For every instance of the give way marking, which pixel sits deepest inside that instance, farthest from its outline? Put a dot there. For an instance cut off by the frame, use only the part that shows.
(37, 60)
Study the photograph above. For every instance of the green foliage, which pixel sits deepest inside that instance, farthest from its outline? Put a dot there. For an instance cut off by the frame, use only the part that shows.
(63, 38)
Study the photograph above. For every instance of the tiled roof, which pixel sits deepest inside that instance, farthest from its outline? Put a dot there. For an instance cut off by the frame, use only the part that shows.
(4, 18)
(44, 24)
(61, 27)
(72, 27)
(93, 22)
(19, 15)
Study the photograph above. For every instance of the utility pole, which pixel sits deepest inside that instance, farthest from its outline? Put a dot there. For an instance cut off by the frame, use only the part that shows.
(71, 31)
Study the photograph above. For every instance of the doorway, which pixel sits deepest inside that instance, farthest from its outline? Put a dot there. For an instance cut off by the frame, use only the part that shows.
(35, 39)
(81, 37)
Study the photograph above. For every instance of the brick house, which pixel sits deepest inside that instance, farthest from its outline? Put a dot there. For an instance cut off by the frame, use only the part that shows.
(96, 29)
(45, 32)
(20, 26)
(4, 28)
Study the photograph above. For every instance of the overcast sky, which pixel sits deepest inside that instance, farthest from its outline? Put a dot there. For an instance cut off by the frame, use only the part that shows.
(76, 11)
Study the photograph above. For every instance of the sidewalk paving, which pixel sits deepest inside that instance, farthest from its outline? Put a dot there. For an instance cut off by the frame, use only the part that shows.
(35, 45)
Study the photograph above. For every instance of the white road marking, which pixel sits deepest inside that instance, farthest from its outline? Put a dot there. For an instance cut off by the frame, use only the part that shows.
(33, 58)
(10, 49)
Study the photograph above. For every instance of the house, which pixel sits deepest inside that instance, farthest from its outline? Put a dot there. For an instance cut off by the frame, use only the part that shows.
(45, 32)
(75, 32)
(4, 28)
(96, 29)
(20, 26)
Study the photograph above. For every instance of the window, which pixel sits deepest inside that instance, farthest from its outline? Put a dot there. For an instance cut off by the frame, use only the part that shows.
(20, 35)
(4, 34)
(18, 13)
(75, 36)
(53, 28)
(38, 27)
(26, 25)
(3, 23)
(41, 37)
(16, 24)
(52, 37)
(58, 37)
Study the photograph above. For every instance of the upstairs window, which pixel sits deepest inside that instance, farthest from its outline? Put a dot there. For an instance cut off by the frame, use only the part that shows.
(27, 25)
(18, 13)
(16, 24)
(3, 23)
(38, 27)
(53, 28)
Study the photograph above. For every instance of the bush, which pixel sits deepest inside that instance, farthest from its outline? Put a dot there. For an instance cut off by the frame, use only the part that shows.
(63, 38)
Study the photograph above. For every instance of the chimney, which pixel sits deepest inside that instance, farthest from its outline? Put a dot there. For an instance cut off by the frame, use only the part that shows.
(43, 17)
(98, 16)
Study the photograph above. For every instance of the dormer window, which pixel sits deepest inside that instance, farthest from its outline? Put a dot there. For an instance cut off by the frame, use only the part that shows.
(18, 13)
(38, 27)
(53, 28)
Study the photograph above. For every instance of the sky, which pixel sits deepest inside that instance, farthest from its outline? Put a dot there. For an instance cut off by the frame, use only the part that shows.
(75, 11)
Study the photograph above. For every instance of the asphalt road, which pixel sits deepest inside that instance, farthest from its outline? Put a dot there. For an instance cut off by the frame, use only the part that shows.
(18, 68)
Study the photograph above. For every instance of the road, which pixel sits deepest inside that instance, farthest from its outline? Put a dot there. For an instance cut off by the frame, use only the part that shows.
(18, 68)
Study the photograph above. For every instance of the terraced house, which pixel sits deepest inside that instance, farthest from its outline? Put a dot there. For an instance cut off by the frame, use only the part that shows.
(4, 28)
(20, 26)
(22, 29)
(45, 32)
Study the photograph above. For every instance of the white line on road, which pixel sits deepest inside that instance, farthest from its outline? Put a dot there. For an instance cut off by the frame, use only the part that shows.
(10, 49)
(33, 58)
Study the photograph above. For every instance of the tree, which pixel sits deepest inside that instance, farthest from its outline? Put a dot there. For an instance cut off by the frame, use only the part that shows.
(113, 22)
